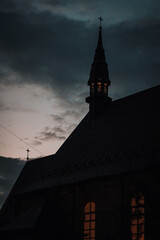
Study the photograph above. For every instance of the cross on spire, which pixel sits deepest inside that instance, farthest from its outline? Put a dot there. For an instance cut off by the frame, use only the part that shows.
(28, 151)
(100, 19)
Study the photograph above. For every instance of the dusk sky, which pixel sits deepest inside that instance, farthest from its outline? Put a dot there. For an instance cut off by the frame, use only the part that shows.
(46, 51)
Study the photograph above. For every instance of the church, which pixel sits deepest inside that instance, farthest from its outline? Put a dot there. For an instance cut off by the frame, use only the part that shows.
(104, 181)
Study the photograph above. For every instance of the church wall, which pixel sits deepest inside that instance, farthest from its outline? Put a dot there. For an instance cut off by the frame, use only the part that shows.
(112, 197)
(63, 212)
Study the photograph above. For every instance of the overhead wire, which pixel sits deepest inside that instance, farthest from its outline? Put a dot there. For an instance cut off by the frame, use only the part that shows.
(21, 139)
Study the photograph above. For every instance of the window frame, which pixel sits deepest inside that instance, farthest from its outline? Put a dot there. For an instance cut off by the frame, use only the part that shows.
(137, 216)
(89, 220)
(99, 87)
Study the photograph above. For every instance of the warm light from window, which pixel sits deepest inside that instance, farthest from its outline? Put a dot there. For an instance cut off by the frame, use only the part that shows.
(137, 217)
(99, 87)
(92, 88)
(105, 88)
(89, 221)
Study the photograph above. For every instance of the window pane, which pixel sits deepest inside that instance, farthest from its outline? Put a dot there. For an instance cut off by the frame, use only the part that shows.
(92, 233)
(86, 234)
(141, 237)
(134, 229)
(134, 220)
(87, 217)
(92, 224)
(134, 211)
(92, 207)
(141, 210)
(141, 228)
(133, 202)
(134, 237)
(86, 225)
(87, 207)
(141, 220)
(140, 199)
(99, 86)
(92, 216)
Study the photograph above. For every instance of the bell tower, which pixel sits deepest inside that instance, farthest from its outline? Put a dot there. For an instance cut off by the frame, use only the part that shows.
(99, 80)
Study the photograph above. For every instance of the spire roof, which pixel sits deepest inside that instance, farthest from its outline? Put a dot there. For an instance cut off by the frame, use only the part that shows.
(99, 53)
(99, 80)
(99, 67)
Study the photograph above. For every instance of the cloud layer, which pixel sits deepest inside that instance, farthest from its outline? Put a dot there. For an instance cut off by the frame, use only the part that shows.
(50, 48)
(46, 51)
(9, 171)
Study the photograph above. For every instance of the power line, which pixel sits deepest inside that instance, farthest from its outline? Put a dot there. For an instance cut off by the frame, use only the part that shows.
(21, 139)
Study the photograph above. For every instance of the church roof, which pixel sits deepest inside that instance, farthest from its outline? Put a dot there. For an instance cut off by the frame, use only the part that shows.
(124, 138)
(26, 220)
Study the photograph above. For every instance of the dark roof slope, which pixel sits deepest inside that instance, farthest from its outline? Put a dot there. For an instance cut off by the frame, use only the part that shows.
(124, 138)
(25, 220)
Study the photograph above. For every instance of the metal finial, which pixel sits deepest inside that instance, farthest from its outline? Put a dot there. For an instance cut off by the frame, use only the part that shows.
(100, 19)
(28, 151)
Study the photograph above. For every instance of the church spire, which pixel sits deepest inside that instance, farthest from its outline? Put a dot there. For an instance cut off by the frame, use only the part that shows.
(99, 53)
(99, 79)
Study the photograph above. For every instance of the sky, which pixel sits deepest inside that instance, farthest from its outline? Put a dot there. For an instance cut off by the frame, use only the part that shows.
(46, 51)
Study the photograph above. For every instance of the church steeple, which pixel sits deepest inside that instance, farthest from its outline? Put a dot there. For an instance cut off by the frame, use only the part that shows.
(99, 79)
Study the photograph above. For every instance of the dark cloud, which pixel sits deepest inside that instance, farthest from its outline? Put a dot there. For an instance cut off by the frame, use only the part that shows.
(48, 49)
(24, 6)
(51, 134)
(43, 49)
(8, 5)
(112, 11)
(63, 122)
(76, 113)
(133, 54)
(9, 170)
(36, 143)
(57, 118)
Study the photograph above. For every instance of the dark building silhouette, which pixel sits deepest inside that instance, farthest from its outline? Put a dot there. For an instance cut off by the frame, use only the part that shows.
(104, 181)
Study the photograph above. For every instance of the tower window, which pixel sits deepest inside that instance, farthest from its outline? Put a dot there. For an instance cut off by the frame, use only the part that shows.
(137, 217)
(89, 221)
(105, 88)
(99, 87)
(92, 88)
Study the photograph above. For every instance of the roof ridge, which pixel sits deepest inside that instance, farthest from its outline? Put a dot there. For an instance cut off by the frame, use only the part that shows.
(137, 93)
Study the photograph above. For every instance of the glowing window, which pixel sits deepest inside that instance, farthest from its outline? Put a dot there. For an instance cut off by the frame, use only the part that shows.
(89, 221)
(99, 87)
(92, 88)
(137, 217)
(105, 88)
